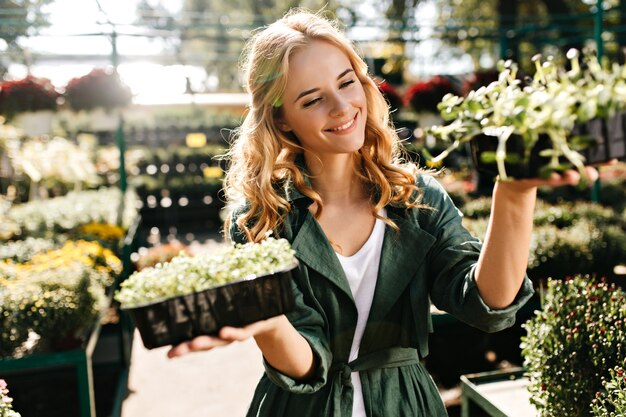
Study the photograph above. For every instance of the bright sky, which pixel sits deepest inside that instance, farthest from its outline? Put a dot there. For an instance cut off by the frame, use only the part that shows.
(68, 19)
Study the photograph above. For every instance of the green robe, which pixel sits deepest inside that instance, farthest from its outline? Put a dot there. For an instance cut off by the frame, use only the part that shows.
(432, 258)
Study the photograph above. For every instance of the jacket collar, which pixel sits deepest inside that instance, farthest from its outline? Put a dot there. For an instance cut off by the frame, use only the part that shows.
(402, 256)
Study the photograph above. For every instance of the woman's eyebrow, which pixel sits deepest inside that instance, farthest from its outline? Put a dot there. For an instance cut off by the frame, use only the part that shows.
(313, 90)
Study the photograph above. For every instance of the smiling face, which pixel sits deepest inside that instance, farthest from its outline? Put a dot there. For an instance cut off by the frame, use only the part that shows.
(324, 103)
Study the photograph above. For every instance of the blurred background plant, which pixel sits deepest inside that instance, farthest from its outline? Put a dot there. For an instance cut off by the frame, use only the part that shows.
(27, 95)
(100, 88)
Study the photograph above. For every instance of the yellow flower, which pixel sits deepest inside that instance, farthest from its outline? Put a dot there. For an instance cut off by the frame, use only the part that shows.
(213, 172)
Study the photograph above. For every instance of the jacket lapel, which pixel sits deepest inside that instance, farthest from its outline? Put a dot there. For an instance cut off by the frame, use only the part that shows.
(313, 248)
(402, 256)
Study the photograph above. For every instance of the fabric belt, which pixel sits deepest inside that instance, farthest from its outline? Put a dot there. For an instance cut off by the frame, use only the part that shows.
(342, 388)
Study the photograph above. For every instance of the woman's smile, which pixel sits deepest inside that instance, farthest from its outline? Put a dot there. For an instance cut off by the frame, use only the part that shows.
(345, 128)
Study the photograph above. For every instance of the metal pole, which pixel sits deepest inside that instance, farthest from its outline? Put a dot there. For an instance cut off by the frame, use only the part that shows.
(119, 132)
(595, 188)
(599, 17)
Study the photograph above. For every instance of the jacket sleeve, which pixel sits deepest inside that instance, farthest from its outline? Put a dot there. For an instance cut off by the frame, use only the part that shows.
(452, 265)
(308, 322)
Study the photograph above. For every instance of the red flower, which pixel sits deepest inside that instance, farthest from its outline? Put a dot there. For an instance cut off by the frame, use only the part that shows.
(391, 95)
(99, 88)
(479, 79)
(28, 94)
(424, 96)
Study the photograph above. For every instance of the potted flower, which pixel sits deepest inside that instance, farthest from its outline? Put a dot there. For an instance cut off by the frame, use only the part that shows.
(572, 343)
(58, 303)
(6, 402)
(189, 296)
(424, 96)
(29, 103)
(98, 93)
(526, 130)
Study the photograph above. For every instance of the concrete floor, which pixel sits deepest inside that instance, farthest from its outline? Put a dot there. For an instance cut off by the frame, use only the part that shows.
(206, 384)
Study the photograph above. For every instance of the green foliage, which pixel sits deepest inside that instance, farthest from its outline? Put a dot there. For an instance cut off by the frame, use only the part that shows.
(611, 401)
(568, 238)
(572, 343)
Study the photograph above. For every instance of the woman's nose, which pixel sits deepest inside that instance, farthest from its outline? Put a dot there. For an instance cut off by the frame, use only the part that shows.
(340, 106)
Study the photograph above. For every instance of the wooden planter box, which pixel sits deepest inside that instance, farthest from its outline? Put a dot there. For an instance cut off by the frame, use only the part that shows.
(498, 394)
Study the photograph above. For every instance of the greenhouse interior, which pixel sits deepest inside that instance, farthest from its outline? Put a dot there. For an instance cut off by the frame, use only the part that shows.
(153, 256)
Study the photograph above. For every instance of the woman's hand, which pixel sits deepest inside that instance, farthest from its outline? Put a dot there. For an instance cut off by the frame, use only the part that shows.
(569, 177)
(226, 336)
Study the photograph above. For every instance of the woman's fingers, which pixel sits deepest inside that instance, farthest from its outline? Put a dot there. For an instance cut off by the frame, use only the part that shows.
(197, 344)
(227, 335)
(242, 333)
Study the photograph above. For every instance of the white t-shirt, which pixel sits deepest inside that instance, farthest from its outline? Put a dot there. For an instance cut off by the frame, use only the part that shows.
(361, 269)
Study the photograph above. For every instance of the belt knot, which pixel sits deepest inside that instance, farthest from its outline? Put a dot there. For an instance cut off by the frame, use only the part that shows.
(345, 373)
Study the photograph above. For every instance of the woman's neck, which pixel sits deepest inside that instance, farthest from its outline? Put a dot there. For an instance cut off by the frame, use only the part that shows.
(334, 179)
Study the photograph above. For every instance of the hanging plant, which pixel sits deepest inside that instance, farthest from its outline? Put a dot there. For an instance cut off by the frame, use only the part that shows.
(99, 89)
(27, 95)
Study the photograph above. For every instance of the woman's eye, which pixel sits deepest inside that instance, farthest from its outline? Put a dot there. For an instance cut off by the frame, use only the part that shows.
(347, 83)
(311, 102)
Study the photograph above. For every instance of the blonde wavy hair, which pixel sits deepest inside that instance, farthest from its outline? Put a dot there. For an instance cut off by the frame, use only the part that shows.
(263, 158)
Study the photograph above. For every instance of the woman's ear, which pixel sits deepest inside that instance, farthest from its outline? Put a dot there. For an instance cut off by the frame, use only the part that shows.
(282, 125)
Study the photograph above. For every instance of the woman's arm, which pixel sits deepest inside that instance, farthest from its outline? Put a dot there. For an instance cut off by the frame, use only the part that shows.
(504, 258)
(282, 346)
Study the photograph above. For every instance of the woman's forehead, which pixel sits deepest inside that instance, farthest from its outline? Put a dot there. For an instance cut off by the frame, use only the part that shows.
(316, 60)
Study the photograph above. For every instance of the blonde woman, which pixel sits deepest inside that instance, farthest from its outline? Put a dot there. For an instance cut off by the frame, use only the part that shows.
(316, 161)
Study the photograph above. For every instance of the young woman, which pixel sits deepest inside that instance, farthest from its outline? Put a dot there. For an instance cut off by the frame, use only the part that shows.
(316, 162)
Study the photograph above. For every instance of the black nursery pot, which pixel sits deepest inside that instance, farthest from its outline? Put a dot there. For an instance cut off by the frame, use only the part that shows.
(514, 165)
(607, 137)
(181, 318)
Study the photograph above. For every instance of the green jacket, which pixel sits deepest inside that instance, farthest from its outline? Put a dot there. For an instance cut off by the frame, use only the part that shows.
(432, 258)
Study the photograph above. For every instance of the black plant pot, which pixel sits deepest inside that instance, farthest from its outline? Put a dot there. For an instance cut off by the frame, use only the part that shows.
(600, 140)
(607, 138)
(483, 149)
(181, 318)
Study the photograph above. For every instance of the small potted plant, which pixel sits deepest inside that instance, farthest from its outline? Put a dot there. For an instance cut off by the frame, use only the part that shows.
(523, 130)
(29, 103)
(190, 296)
(98, 93)
(572, 343)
